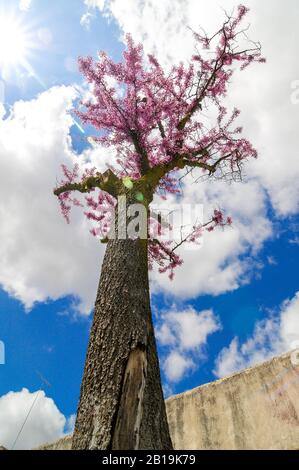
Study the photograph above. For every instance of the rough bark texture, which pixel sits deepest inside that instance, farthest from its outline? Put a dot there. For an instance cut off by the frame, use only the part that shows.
(121, 404)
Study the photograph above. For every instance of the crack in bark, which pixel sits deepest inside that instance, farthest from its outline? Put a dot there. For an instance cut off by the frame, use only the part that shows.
(128, 416)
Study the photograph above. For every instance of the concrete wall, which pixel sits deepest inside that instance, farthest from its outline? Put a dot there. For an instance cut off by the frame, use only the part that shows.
(63, 444)
(257, 408)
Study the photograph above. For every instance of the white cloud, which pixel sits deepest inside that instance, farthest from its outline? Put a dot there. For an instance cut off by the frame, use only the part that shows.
(70, 424)
(86, 20)
(229, 360)
(87, 17)
(184, 333)
(188, 328)
(272, 261)
(272, 336)
(289, 324)
(41, 256)
(45, 422)
(24, 5)
(216, 266)
(176, 365)
(95, 3)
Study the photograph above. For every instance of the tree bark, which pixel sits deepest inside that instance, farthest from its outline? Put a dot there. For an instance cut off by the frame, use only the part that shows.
(121, 404)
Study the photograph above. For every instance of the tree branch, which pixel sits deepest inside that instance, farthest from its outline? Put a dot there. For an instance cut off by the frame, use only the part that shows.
(181, 161)
(161, 129)
(107, 181)
(211, 168)
(197, 104)
(144, 164)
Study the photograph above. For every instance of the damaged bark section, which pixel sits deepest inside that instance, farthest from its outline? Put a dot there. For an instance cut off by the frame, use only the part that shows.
(129, 415)
(121, 403)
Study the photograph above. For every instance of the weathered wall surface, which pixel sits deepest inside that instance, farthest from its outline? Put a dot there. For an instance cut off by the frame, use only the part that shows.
(257, 408)
(63, 444)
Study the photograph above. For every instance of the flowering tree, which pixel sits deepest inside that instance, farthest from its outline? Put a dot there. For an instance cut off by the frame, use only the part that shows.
(154, 121)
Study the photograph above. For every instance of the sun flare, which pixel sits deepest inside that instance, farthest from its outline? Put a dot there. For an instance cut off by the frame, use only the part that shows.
(15, 43)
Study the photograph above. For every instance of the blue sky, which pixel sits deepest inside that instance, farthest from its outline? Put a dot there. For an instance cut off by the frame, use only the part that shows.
(246, 279)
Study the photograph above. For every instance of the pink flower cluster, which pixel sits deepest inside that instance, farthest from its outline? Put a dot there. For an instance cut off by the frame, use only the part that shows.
(66, 200)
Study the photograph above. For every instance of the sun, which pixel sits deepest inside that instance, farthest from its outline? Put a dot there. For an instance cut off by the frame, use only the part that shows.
(15, 43)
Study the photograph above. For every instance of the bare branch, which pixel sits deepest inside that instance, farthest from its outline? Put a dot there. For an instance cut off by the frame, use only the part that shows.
(107, 181)
(144, 164)
(161, 129)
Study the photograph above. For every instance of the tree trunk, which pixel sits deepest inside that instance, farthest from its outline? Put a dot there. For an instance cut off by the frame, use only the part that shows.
(121, 403)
